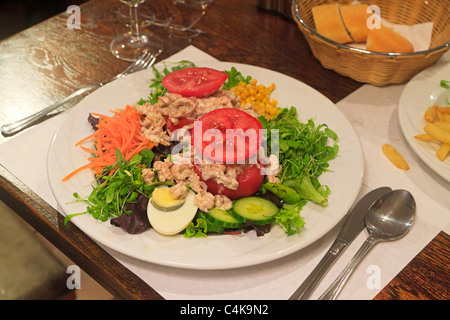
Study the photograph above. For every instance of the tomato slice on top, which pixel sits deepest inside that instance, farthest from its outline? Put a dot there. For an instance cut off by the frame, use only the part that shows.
(194, 82)
(228, 135)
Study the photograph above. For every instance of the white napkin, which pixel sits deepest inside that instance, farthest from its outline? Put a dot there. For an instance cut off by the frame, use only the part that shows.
(418, 34)
(25, 157)
(373, 113)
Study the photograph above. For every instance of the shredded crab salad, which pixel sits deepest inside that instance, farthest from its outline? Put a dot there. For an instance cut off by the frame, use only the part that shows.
(207, 152)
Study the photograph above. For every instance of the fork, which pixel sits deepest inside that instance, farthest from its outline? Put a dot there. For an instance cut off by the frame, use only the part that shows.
(143, 62)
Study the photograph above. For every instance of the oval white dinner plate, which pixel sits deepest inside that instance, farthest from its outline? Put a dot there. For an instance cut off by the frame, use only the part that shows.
(421, 92)
(215, 251)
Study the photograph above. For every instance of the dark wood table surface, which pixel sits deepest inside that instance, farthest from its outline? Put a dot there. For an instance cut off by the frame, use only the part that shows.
(48, 61)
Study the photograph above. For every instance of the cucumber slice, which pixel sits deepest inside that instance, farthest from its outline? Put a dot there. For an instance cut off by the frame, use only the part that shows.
(222, 218)
(211, 227)
(260, 211)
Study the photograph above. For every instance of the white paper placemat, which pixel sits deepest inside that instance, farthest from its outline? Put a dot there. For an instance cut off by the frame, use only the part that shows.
(373, 113)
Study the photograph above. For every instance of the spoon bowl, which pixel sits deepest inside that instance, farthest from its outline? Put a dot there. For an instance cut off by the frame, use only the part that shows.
(389, 218)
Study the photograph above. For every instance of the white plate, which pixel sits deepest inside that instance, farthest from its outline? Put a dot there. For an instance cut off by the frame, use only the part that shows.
(420, 93)
(215, 251)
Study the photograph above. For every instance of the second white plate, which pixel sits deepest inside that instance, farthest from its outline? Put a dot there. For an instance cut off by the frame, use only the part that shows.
(420, 93)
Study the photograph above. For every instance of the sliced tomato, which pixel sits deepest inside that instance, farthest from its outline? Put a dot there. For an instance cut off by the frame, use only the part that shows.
(228, 135)
(249, 180)
(194, 82)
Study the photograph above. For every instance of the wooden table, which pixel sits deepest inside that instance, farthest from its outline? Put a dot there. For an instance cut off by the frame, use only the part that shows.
(49, 61)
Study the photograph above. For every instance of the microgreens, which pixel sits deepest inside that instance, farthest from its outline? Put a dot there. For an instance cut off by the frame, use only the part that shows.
(234, 78)
(111, 192)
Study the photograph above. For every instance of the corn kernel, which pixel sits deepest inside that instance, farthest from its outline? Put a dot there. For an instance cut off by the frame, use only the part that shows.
(258, 96)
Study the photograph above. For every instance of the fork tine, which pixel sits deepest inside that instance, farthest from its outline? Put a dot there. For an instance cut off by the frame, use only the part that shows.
(132, 66)
(146, 61)
(150, 60)
(139, 62)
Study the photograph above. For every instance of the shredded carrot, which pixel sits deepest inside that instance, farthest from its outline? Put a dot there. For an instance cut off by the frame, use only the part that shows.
(87, 138)
(86, 166)
(121, 131)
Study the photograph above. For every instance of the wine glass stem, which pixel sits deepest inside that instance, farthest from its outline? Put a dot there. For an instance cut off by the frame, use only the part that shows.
(135, 31)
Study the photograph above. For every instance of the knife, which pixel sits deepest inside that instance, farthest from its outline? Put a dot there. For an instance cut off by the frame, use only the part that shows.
(351, 228)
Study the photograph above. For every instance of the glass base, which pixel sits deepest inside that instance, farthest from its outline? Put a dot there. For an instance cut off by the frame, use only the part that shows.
(185, 33)
(129, 48)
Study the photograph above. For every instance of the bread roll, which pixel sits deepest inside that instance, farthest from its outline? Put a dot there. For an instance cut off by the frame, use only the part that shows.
(387, 40)
(329, 24)
(355, 20)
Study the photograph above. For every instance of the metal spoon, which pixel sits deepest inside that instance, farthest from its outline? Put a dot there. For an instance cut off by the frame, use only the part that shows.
(389, 218)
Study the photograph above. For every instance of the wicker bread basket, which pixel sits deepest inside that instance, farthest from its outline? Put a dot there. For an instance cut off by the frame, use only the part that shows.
(376, 68)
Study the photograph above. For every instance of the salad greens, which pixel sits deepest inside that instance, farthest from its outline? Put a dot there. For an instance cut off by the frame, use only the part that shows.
(197, 230)
(303, 148)
(307, 190)
(289, 218)
(234, 77)
(304, 154)
(445, 84)
(111, 193)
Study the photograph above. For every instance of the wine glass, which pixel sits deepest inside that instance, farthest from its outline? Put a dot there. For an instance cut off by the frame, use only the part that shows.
(190, 12)
(131, 45)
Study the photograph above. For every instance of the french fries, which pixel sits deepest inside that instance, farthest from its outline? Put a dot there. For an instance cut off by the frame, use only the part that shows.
(443, 151)
(430, 114)
(437, 133)
(395, 157)
(437, 129)
(424, 137)
(443, 125)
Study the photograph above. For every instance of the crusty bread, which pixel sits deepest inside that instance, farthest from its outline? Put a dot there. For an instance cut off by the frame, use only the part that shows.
(387, 40)
(348, 23)
(355, 20)
(329, 24)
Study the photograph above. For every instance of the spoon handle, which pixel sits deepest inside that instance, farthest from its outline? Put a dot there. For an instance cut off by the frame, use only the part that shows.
(308, 286)
(335, 288)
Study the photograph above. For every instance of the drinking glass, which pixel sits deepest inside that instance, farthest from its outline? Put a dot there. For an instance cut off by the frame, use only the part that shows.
(131, 45)
(189, 13)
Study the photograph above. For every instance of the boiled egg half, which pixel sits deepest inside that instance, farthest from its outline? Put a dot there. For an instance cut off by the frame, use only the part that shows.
(169, 216)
